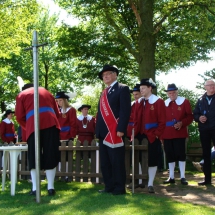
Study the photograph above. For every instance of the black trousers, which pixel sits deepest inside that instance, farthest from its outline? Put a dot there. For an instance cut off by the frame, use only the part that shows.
(49, 148)
(175, 149)
(113, 167)
(154, 155)
(206, 136)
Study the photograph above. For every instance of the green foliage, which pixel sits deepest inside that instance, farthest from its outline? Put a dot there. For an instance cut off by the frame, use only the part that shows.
(92, 49)
(206, 76)
(89, 95)
(167, 34)
(15, 16)
(53, 73)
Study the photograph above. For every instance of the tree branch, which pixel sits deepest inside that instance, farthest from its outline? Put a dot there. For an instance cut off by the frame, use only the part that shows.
(158, 25)
(125, 41)
(133, 7)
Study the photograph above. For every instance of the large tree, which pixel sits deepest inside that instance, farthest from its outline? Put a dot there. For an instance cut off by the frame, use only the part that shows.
(144, 35)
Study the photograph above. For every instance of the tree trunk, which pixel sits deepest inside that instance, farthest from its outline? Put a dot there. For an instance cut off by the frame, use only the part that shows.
(147, 40)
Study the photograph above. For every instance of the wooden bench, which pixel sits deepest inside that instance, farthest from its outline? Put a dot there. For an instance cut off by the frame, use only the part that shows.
(194, 152)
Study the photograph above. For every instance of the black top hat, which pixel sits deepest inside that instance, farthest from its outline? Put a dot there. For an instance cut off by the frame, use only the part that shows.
(26, 86)
(148, 82)
(171, 87)
(84, 106)
(136, 88)
(61, 95)
(108, 68)
(8, 112)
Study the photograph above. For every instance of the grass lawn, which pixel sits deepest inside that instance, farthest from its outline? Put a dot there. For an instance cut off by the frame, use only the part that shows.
(83, 198)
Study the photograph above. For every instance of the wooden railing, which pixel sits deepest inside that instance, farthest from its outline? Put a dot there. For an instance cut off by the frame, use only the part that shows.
(83, 162)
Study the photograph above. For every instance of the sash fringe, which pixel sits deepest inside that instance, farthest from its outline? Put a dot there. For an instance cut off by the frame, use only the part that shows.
(111, 145)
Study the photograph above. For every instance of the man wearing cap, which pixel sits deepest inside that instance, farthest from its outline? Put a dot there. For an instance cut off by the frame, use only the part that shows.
(111, 124)
(7, 130)
(136, 95)
(85, 125)
(67, 117)
(149, 122)
(204, 114)
(178, 117)
(49, 132)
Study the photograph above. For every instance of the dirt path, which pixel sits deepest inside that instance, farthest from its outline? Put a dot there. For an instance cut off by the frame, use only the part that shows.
(200, 195)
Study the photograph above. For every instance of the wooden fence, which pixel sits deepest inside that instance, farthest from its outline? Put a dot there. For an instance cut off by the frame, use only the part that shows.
(83, 162)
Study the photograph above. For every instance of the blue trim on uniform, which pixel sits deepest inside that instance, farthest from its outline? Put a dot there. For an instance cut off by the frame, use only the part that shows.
(170, 123)
(131, 123)
(41, 110)
(64, 129)
(151, 125)
(9, 135)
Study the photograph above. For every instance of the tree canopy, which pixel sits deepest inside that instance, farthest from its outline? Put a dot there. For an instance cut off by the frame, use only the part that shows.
(15, 16)
(141, 37)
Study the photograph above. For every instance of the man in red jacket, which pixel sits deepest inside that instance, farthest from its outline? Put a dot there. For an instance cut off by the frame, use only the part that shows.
(178, 117)
(149, 122)
(49, 132)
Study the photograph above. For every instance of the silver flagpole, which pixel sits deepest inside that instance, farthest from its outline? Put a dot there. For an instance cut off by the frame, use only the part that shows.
(36, 115)
(133, 160)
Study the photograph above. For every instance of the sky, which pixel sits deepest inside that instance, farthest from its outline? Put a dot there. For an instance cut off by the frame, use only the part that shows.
(188, 78)
(185, 78)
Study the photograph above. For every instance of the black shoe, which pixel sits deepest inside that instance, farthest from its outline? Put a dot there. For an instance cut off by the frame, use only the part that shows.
(202, 183)
(32, 193)
(184, 181)
(151, 189)
(169, 181)
(51, 192)
(135, 186)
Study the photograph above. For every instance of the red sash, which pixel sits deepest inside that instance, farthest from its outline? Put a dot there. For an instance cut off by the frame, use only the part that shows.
(111, 140)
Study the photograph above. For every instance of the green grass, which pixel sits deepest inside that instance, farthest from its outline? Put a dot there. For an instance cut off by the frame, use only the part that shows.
(83, 198)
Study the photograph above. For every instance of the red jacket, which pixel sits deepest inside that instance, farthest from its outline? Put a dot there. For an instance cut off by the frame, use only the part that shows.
(88, 132)
(24, 110)
(68, 124)
(151, 118)
(178, 110)
(7, 131)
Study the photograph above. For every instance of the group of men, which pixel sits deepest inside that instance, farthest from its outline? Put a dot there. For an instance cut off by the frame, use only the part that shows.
(160, 122)
(154, 119)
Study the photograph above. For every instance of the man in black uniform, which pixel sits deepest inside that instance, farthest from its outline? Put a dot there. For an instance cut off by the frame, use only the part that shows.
(204, 114)
(112, 119)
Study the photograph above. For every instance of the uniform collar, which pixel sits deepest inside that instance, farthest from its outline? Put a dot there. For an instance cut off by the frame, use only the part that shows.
(180, 100)
(6, 120)
(152, 99)
(66, 109)
(81, 117)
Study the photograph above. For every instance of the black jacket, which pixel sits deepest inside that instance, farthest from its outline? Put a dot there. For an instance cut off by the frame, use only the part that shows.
(120, 103)
(203, 108)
